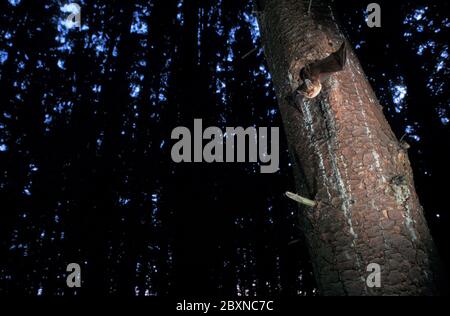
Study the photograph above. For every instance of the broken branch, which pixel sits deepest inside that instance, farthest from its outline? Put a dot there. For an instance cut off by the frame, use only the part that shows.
(250, 52)
(299, 199)
(309, 7)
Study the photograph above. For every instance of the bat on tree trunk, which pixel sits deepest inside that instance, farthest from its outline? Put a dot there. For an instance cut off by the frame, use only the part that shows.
(315, 73)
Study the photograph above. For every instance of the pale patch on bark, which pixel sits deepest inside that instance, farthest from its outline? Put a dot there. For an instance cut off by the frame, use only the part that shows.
(375, 155)
(402, 194)
(337, 174)
(308, 120)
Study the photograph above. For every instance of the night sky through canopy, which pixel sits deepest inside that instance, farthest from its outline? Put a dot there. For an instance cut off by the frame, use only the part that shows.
(86, 116)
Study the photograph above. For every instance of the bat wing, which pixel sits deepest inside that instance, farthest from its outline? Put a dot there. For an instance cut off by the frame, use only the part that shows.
(323, 68)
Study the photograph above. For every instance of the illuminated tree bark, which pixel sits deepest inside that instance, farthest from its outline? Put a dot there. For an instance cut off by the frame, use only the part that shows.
(348, 160)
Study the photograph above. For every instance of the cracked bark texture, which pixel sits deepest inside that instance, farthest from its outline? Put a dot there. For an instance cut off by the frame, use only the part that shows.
(346, 158)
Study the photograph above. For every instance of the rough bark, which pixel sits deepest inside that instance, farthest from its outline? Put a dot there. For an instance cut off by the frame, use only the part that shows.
(349, 161)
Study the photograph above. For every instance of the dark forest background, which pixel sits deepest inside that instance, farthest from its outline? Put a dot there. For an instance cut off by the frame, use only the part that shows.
(85, 121)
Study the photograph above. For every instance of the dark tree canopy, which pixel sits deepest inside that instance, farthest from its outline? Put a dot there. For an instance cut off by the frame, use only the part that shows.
(86, 116)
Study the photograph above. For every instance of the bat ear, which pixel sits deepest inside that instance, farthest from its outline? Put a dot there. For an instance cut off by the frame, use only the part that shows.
(308, 84)
(343, 53)
(304, 73)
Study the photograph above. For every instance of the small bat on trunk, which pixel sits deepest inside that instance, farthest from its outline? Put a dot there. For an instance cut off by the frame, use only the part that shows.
(315, 73)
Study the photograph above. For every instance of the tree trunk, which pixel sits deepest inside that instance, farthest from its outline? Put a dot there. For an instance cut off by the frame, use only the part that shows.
(348, 160)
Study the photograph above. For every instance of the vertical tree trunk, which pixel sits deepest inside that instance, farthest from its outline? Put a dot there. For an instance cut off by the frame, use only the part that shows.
(348, 160)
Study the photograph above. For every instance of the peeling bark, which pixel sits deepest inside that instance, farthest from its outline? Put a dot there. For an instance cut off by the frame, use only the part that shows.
(347, 159)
